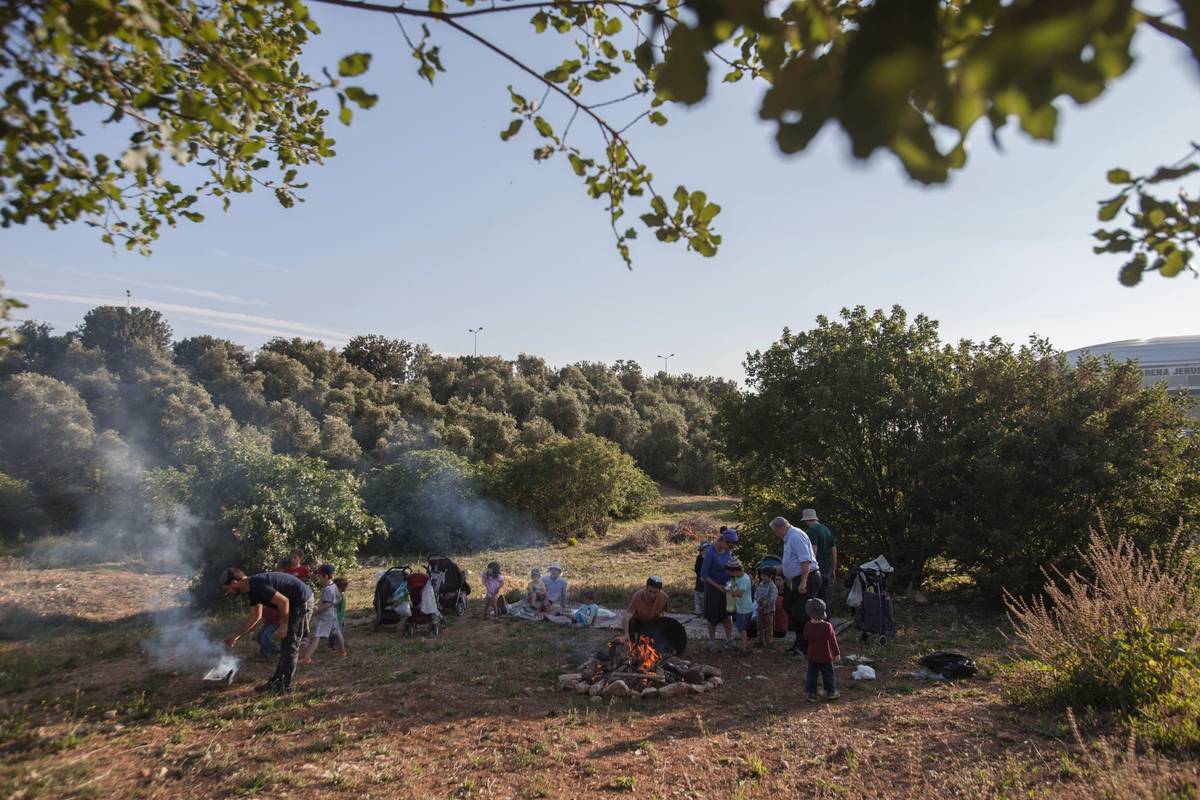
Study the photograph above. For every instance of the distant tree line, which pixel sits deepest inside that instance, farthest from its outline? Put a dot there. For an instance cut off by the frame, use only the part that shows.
(238, 435)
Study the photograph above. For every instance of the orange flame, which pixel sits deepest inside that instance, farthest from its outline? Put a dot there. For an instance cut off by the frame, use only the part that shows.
(642, 654)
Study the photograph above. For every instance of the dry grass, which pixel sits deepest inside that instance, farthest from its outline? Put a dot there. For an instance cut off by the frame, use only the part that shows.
(472, 714)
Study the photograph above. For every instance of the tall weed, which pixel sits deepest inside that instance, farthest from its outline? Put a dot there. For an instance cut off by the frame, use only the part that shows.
(1124, 637)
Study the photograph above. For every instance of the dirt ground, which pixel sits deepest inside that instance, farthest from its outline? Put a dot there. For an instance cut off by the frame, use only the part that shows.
(474, 712)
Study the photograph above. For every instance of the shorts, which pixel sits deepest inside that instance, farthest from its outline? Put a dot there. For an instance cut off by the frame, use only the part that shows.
(742, 621)
(325, 626)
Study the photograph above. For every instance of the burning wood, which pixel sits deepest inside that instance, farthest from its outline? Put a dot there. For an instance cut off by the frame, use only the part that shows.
(637, 669)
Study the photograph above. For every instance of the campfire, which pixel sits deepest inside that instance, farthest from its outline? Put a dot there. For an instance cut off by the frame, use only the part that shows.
(636, 668)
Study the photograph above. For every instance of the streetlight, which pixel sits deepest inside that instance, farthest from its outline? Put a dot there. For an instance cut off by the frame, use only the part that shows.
(476, 332)
(665, 360)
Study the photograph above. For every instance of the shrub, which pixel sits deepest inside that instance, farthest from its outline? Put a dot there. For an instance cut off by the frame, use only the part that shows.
(20, 515)
(1124, 637)
(433, 500)
(642, 540)
(572, 486)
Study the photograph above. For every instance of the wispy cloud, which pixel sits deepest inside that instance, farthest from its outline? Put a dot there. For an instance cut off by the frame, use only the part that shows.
(250, 323)
(202, 293)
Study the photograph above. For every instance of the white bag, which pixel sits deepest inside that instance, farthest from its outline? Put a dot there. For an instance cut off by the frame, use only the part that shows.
(863, 673)
(429, 600)
(855, 597)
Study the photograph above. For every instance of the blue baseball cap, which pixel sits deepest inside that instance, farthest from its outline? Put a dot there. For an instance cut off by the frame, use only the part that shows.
(730, 535)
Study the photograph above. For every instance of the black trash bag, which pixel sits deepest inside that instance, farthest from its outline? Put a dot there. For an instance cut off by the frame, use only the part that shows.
(949, 665)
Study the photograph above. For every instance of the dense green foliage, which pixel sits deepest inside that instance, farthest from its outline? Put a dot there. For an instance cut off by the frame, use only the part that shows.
(217, 88)
(996, 457)
(572, 486)
(287, 442)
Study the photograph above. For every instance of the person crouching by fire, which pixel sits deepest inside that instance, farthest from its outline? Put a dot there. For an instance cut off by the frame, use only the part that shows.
(647, 603)
(294, 601)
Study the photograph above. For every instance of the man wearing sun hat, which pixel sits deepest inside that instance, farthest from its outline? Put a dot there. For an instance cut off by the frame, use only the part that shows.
(824, 547)
(556, 587)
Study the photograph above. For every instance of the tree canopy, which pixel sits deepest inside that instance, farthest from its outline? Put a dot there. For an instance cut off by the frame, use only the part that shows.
(214, 102)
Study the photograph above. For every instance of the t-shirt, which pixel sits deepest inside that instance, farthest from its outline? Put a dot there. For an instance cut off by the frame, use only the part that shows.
(745, 603)
(643, 608)
(556, 590)
(330, 595)
(264, 585)
(764, 596)
(300, 572)
(585, 615)
(822, 642)
(823, 542)
(493, 585)
(714, 565)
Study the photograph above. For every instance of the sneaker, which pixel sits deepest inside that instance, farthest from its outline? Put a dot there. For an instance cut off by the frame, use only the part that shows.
(343, 653)
(812, 698)
(833, 696)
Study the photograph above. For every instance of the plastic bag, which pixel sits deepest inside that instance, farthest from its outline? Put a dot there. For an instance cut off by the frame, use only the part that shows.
(429, 600)
(863, 673)
(855, 597)
(949, 665)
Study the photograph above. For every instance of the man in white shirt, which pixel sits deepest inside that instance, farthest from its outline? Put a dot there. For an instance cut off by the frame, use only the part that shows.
(803, 574)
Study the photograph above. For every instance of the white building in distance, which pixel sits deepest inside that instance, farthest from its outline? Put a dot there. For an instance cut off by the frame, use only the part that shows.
(1173, 360)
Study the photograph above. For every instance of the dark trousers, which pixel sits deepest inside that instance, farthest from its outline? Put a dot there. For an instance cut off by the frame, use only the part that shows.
(827, 678)
(265, 639)
(297, 630)
(811, 589)
(824, 593)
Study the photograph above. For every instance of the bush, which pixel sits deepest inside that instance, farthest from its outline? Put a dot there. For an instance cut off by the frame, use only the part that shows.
(20, 515)
(432, 500)
(642, 540)
(1124, 637)
(573, 486)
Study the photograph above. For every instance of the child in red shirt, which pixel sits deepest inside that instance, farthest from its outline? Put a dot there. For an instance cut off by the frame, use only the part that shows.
(823, 650)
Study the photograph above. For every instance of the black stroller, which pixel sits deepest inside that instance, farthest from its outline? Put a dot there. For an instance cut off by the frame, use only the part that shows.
(876, 612)
(450, 584)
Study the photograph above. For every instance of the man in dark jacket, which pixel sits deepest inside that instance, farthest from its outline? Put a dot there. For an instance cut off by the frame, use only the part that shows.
(291, 598)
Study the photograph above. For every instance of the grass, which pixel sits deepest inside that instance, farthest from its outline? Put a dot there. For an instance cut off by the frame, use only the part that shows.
(474, 713)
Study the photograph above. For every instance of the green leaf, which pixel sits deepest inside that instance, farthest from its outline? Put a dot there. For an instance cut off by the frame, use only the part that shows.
(345, 115)
(696, 202)
(1173, 264)
(437, 6)
(658, 118)
(1131, 274)
(684, 72)
(513, 128)
(577, 164)
(543, 127)
(354, 64)
(613, 26)
(1119, 176)
(1109, 209)
(361, 96)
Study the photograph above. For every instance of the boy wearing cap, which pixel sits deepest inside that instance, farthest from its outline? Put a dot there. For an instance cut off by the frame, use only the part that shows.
(822, 650)
(743, 603)
(325, 617)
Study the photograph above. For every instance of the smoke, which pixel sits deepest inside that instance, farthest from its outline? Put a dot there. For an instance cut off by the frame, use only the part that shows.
(130, 521)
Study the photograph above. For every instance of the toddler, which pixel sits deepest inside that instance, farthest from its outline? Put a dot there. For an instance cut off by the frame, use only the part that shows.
(740, 596)
(822, 652)
(536, 595)
(493, 583)
(325, 616)
(585, 616)
(764, 598)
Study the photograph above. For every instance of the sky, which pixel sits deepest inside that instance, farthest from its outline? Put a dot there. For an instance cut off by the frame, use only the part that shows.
(426, 225)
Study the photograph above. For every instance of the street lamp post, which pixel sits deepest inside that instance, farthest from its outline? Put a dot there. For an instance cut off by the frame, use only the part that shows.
(476, 331)
(665, 360)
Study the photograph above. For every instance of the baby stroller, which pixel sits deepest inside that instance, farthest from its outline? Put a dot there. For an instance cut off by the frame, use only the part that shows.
(871, 597)
(450, 584)
(398, 600)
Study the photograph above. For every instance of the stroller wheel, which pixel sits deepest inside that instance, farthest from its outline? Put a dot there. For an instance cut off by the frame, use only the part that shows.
(862, 636)
(460, 605)
(407, 630)
(883, 640)
(435, 629)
